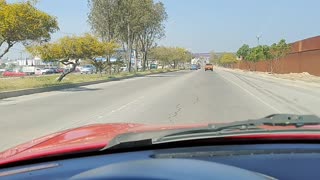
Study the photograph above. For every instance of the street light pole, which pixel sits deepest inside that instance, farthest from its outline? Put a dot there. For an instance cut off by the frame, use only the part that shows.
(258, 39)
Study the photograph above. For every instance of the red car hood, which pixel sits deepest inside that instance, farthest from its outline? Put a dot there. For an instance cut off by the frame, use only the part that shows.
(95, 137)
(86, 138)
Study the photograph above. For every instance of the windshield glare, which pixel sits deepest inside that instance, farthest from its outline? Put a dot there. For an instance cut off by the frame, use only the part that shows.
(158, 63)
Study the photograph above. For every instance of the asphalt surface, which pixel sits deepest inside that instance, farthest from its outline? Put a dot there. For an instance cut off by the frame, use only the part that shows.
(170, 98)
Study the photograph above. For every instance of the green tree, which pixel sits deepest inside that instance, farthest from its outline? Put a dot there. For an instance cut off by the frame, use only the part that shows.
(161, 54)
(152, 28)
(278, 51)
(129, 14)
(100, 50)
(23, 23)
(259, 53)
(255, 55)
(173, 56)
(103, 18)
(243, 51)
(267, 56)
(131, 22)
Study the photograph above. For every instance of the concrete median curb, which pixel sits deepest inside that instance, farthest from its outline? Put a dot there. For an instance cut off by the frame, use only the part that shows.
(9, 94)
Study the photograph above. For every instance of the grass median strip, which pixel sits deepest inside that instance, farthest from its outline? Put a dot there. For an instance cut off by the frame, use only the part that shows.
(12, 84)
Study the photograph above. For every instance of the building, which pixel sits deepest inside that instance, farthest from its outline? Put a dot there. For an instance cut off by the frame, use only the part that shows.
(36, 62)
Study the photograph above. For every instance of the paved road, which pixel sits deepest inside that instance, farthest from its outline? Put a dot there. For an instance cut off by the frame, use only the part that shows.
(179, 97)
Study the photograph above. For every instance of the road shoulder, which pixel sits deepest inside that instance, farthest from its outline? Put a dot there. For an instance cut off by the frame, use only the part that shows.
(270, 77)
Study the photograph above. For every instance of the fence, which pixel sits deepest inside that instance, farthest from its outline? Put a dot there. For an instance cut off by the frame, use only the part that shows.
(304, 57)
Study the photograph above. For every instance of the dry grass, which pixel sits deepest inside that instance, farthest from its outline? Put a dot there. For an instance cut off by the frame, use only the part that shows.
(11, 84)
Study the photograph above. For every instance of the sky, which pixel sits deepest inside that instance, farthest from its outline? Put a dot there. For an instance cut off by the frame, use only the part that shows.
(206, 25)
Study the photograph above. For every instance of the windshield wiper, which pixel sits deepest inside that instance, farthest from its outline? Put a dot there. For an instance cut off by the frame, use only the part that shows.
(275, 120)
(130, 140)
(218, 130)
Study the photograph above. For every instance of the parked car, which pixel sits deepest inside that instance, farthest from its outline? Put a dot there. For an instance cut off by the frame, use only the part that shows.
(47, 71)
(60, 70)
(87, 69)
(124, 68)
(57, 70)
(12, 73)
(38, 71)
(153, 66)
(2, 71)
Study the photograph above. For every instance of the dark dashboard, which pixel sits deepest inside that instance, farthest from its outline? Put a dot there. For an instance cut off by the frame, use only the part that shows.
(262, 161)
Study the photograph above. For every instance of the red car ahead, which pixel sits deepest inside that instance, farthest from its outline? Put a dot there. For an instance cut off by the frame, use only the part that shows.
(274, 147)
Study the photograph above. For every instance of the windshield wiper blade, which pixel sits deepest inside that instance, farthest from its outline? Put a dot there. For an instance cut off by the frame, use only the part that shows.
(219, 130)
(130, 140)
(289, 120)
(274, 120)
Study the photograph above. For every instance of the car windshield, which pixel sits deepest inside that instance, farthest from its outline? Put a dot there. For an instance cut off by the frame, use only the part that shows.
(159, 64)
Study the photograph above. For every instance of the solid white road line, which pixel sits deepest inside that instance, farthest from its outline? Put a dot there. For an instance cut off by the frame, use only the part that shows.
(250, 93)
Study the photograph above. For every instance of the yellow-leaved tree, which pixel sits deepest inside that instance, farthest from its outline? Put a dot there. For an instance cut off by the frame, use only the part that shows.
(23, 23)
(69, 50)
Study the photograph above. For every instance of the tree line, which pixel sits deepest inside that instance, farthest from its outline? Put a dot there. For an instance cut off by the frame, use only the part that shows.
(225, 59)
(131, 25)
(272, 54)
(174, 57)
(251, 55)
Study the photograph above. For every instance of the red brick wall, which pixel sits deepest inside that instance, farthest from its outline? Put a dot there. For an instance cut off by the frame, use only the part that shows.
(304, 57)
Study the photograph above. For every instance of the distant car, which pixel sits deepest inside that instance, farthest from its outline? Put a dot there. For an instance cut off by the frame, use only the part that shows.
(55, 70)
(194, 67)
(60, 70)
(87, 69)
(124, 68)
(38, 71)
(47, 71)
(10, 73)
(153, 66)
(208, 67)
(2, 71)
